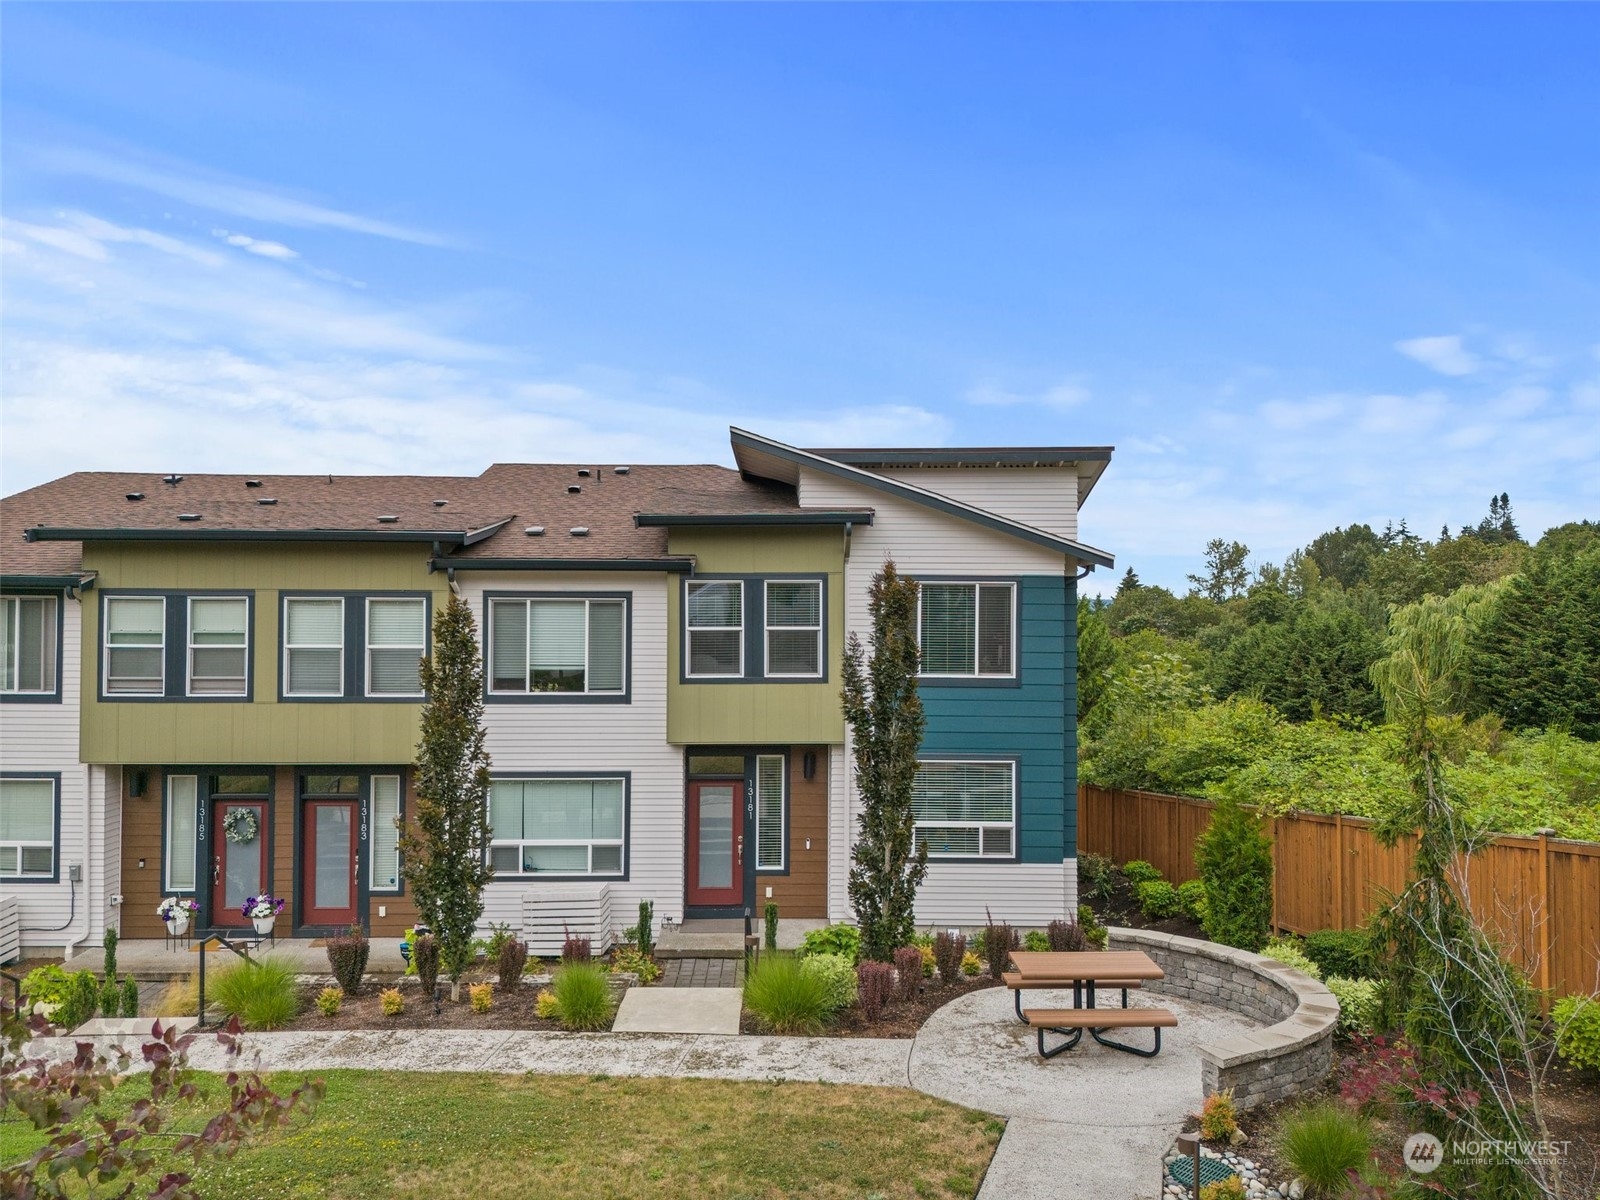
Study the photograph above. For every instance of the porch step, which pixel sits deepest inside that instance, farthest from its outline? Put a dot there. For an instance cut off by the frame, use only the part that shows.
(725, 938)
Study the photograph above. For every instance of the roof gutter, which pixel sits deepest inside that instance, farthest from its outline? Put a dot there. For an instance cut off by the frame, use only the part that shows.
(671, 565)
(801, 517)
(56, 583)
(45, 533)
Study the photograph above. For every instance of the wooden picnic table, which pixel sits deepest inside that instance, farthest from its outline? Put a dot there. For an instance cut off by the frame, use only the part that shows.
(1083, 967)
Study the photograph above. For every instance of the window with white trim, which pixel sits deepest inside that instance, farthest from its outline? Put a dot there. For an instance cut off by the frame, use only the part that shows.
(219, 645)
(965, 809)
(794, 628)
(397, 638)
(183, 808)
(967, 629)
(385, 835)
(558, 645)
(27, 828)
(714, 625)
(313, 646)
(28, 644)
(135, 645)
(556, 826)
(770, 796)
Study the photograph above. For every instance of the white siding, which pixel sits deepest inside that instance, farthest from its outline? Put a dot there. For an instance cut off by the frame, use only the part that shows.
(601, 738)
(1028, 895)
(1044, 497)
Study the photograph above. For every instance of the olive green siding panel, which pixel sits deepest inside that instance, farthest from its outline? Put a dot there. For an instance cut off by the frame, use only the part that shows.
(264, 730)
(763, 713)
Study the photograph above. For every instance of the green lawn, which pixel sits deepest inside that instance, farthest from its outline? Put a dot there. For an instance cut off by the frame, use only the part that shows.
(390, 1134)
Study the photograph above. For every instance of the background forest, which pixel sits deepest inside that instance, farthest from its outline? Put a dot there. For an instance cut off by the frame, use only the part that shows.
(1255, 685)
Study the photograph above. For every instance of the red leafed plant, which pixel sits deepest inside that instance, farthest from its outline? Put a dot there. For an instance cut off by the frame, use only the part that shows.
(109, 1148)
(1380, 1071)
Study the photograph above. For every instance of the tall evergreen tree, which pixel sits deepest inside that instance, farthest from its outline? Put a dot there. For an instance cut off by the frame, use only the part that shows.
(1226, 574)
(1130, 582)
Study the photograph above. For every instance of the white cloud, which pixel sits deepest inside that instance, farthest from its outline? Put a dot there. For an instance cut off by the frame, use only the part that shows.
(1445, 355)
(255, 245)
(1062, 396)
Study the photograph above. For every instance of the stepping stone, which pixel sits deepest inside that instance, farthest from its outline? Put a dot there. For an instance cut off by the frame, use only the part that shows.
(679, 1010)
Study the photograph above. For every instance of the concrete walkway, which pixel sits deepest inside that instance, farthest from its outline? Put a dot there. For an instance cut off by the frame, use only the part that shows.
(679, 1010)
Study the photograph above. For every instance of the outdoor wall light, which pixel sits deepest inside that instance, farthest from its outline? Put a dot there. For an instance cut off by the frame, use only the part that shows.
(808, 764)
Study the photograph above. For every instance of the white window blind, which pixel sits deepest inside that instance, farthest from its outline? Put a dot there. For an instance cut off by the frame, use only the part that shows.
(314, 647)
(397, 632)
(557, 645)
(385, 835)
(794, 627)
(556, 826)
(715, 624)
(135, 641)
(28, 644)
(965, 809)
(769, 812)
(606, 639)
(27, 827)
(218, 645)
(182, 806)
(967, 628)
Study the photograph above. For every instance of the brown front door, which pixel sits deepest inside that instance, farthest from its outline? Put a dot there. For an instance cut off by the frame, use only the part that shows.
(328, 863)
(716, 843)
(238, 869)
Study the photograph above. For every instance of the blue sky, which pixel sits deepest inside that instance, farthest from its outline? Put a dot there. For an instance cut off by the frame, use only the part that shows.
(1302, 265)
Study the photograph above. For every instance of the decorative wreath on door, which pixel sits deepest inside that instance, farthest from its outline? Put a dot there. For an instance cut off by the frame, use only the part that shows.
(240, 825)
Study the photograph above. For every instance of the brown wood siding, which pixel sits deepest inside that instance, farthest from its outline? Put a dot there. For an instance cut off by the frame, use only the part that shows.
(141, 840)
(803, 892)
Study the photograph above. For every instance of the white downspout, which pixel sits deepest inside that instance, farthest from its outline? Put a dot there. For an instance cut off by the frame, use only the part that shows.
(71, 947)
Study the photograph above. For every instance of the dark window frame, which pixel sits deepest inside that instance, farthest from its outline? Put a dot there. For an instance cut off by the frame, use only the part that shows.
(486, 648)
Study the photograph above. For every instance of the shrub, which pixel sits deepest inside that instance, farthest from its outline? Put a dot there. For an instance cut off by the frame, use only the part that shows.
(261, 993)
(948, 951)
(1323, 1144)
(576, 950)
(180, 998)
(328, 1001)
(1343, 952)
(928, 962)
(1218, 1116)
(643, 931)
(1235, 860)
(1577, 1020)
(1065, 937)
(999, 940)
(907, 972)
(347, 958)
(833, 939)
(584, 996)
(108, 942)
(769, 918)
(499, 934)
(512, 958)
(425, 957)
(130, 997)
(1158, 899)
(81, 1002)
(1360, 1001)
(110, 998)
(546, 1006)
(1035, 940)
(1097, 877)
(482, 997)
(1231, 1188)
(391, 1002)
(627, 959)
(45, 985)
(971, 965)
(791, 996)
(1094, 932)
(1138, 871)
(839, 976)
(875, 986)
(1192, 899)
(1287, 951)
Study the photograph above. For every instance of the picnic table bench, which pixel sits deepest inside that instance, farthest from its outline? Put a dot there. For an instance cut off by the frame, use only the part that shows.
(1084, 972)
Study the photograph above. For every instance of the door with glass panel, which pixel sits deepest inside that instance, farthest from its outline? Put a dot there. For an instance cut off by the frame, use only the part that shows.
(716, 843)
(239, 857)
(329, 850)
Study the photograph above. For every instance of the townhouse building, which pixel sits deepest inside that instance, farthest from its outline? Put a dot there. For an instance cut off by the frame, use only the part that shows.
(211, 685)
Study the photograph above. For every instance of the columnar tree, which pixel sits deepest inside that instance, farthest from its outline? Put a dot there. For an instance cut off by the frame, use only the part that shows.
(444, 853)
(886, 723)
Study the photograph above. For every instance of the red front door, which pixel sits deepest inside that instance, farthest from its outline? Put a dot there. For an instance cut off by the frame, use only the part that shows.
(238, 868)
(716, 843)
(328, 863)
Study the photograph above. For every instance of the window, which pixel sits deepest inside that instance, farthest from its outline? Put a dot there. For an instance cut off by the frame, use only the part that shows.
(28, 651)
(794, 627)
(182, 809)
(553, 646)
(385, 833)
(135, 645)
(769, 812)
(397, 633)
(556, 826)
(965, 809)
(219, 646)
(966, 628)
(313, 647)
(715, 621)
(28, 829)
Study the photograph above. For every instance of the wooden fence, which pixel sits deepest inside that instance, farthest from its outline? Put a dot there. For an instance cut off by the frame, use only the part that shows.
(1541, 895)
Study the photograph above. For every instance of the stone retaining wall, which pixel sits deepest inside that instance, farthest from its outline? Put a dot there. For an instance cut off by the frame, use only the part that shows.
(1295, 1050)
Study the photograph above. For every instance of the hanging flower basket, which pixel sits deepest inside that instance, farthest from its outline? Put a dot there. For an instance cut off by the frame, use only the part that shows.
(240, 825)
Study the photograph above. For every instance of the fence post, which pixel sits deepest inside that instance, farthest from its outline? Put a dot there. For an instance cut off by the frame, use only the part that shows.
(1338, 870)
(1544, 919)
(1275, 927)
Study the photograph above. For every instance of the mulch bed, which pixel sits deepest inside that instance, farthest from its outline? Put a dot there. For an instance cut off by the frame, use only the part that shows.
(901, 1019)
(1121, 907)
(510, 1010)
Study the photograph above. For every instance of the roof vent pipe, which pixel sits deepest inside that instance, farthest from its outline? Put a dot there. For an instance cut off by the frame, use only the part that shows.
(172, 480)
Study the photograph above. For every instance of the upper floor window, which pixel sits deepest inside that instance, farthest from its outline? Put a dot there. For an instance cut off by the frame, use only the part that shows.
(397, 638)
(28, 651)
(135, 645)
(794, 627)
(558, 645)
(28, 829)
(313, 646)
(714, 613)
(219, 645)
(965, 809)
(557, 826)
(968, 629)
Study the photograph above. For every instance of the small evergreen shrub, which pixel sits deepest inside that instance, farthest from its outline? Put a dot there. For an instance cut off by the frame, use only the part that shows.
(907, 972)
(643, 932)
(626, 959)
(261, 993)
(1218, 1116)
(1094, 932)
(769, 918)
(1577, 1022)
(110, 998)
(1138, 871)
(499, 934)
(1343, 952)
(1158, 899)
(576, 950)
(926, 950)
(108, 943)
(874, 989)
(1192, 900)
(512, 958)
(1288, 952)
(81, 1001)
(391, 1002)
(481, 996)
(1035, 940)
(329, 1000)
(971, 965)
(1360, 1002)
(1066, 937)
(1234, 856)
(584, 996)
(546, 1006)
(833, 939)
(425, 958)
(130, 997)
(1231, 1188)
(998, 940)
(1323, 1144)
(837, 974)
(948, 951)
(347, 958)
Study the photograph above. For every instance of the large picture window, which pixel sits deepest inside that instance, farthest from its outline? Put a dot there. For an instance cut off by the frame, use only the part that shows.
(965, 809)
(27, 644)
(313, 646)
(27, 829)
(794, 628)
(183, 806)
(967, 629)
(557, 826)
(135, 645)
(714, 620)
(397, 638)
(552, 646)
(219, 645)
